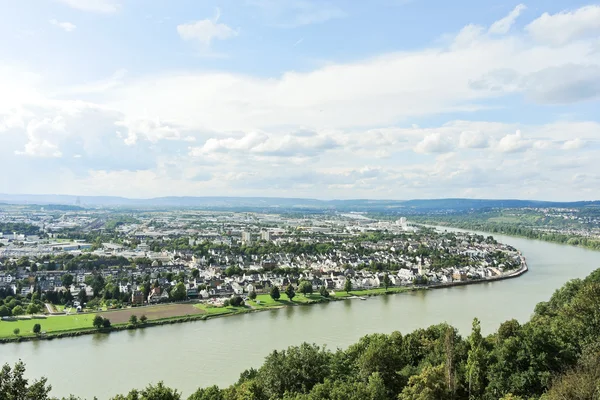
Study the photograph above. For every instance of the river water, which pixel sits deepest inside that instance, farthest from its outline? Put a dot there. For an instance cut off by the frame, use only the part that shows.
(189, 355)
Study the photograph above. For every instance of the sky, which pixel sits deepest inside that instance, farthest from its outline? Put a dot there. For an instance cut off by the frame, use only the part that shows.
(328, 99)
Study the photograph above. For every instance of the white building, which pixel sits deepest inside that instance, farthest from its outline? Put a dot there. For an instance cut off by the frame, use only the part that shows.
(246, 238)
(266, 236)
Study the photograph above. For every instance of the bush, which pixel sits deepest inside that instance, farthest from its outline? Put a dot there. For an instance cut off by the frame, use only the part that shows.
(236, 301)
(106, 323)
(37, 328)
(133, 320)
(143, 319)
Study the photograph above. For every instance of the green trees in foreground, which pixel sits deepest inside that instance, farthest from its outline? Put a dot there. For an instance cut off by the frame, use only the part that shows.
(554, 356)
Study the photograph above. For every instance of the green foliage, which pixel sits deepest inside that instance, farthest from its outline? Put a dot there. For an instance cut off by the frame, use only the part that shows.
(16, 331)
(133, 319)
(18, 310)
(275, 295)
(14, 385)
(252, 295)
(324, 292)
(152, 392)
(98, 321)
(305, 288)
(209, 393)
(179, 292)
(143, 319)
(348, 285)
(236, 301)
(290, 292)
(37, 329)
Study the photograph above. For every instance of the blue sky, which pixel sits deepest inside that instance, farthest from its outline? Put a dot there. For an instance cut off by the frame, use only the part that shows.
(328, 99)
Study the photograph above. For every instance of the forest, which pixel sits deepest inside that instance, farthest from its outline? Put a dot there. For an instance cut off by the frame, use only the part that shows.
(555, 355)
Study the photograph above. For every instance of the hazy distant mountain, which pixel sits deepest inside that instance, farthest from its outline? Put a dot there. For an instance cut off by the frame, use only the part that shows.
(287, 203)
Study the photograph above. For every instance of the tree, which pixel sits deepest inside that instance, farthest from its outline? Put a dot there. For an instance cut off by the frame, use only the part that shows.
(252, 295)
(37, 328)
(178, 293)
(430, 384)
(151, 392)
(16, 331)
(133, 319)
(195, 273)
(305, 288)
(209, 393)
(98, 321)
(82, 297)
(348, 285)
(387, 282)
(236, 301)
(106, 323)
(4, 311)
(275, 295)
(33, 308)
(476, 362)
(143, 319)
(324, 292)
(67, 280)
(17, 310)
(14, 385)
(289, 291)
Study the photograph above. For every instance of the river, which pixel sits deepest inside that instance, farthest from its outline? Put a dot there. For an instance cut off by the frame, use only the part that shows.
(189, 355)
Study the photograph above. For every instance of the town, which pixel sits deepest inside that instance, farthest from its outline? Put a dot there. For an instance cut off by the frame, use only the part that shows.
(104, 259)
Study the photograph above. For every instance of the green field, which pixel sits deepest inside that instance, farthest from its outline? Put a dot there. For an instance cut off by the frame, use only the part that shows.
(49, 325)
(78, 322)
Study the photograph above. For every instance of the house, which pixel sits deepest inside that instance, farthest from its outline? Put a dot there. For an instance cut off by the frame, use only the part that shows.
(137, 297)
(154, 295)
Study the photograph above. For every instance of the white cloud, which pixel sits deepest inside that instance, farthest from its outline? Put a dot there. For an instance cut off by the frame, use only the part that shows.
(565, 26)
(503, 25)
(512, 143)
(151, 130)
(206, 30)
(65, 26)
(98, 6)
(473, 140)
(574, 144)
(39, 134)
(433, 143)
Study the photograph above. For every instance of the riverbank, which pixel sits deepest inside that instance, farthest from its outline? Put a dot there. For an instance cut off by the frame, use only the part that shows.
(206, 311)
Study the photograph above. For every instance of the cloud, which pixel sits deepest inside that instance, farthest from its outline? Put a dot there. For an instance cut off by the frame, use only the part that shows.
(98, 6)
(502, 26)
(66, 26)
(151, 130)
(263, 144)
(574, 144)
(563, 27)
(433, 143)
(567, 83)
(473, 140)
(206, 30)
(512, 143)
(39, 134)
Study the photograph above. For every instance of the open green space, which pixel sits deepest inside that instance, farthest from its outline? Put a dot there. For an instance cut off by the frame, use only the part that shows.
(80, 322)
(49, 325)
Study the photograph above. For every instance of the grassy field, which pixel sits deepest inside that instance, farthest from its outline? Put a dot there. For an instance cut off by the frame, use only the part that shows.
(77, 322)
(63, 323)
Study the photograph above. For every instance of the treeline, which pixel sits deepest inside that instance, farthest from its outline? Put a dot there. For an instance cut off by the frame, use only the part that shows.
(556, 355)
(19, 227)
(514, 230)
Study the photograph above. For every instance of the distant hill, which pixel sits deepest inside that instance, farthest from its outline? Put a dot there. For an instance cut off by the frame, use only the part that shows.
(217, 202)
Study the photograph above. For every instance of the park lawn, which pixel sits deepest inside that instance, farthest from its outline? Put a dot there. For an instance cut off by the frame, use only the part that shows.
(266, 301)
(49, 324)
(214, 310)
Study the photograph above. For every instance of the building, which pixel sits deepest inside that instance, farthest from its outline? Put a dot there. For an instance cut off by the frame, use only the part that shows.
(137, 297)
(266, 236)
(246, 238)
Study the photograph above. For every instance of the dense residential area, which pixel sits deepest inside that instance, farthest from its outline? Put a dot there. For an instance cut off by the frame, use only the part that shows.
(99, 259)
